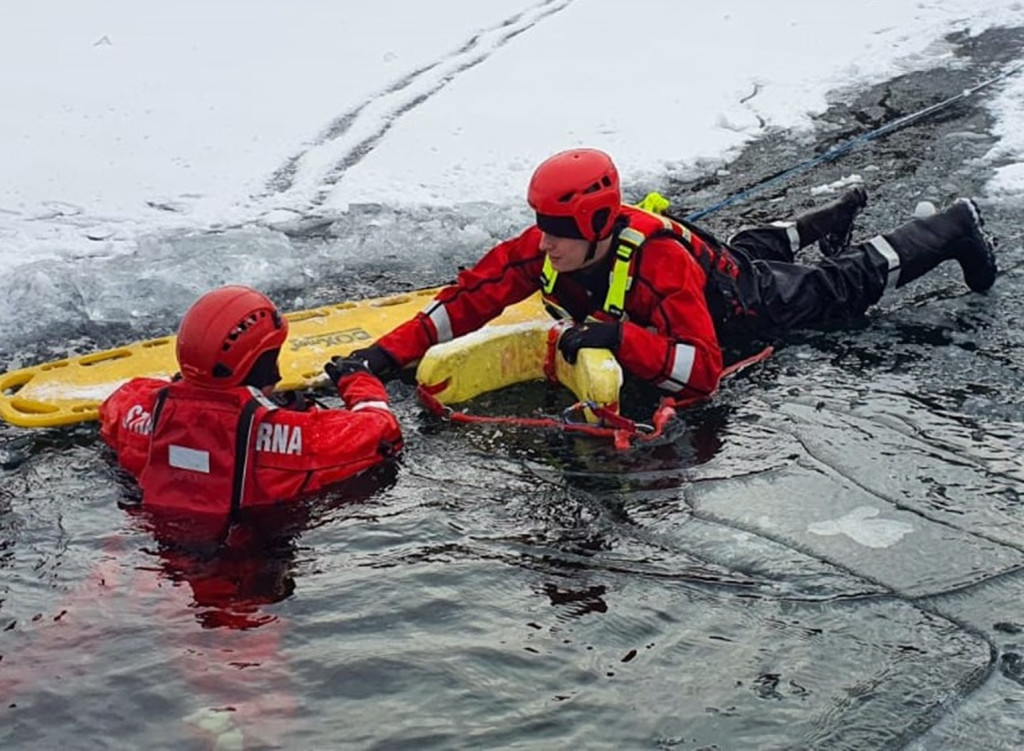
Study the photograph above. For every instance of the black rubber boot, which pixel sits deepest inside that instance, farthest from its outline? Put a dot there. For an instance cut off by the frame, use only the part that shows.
(832, 225)
(955, 233)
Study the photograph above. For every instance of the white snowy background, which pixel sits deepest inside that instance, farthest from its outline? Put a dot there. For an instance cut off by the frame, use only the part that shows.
(123, 120)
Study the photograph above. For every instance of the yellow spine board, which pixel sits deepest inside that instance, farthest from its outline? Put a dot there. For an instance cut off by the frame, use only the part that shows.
(70, 391)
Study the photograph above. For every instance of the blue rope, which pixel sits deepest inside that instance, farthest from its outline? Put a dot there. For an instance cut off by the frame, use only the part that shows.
(837, 151)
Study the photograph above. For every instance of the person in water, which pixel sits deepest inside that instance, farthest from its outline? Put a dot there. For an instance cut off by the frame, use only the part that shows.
(212, 441)
(665, 295)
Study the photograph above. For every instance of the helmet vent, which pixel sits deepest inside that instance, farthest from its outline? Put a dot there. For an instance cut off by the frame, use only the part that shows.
(567, 197)
(244, 325)
(220, 370)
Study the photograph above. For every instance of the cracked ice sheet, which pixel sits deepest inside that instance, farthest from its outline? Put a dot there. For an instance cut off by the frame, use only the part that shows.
(824, 516)
(908, 523)
(943, 467)
(984, 720)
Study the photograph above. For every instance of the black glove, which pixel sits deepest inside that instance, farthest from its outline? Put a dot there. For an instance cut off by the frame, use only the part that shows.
(295, 401)
(597, 335)
(339, 367)
(378, 361)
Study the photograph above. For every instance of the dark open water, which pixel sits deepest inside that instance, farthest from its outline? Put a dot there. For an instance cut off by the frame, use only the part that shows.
(828, 555)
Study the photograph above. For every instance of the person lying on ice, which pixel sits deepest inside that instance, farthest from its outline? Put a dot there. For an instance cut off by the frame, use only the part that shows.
(662, 294)
(213, 441)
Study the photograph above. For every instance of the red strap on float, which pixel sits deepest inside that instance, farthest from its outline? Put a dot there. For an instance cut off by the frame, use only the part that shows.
(554, 333)
(622, 430)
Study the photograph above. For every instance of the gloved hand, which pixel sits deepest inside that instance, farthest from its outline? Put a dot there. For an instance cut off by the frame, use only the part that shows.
(338, 367)
(597, 335)
(295, 401)
(378, 361)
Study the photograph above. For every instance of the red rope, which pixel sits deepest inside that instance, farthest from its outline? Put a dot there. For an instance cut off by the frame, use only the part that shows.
(447, 413)
(622, 430)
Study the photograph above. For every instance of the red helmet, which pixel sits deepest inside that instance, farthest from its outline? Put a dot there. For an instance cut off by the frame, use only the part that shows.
(224, 333)
(576, 193)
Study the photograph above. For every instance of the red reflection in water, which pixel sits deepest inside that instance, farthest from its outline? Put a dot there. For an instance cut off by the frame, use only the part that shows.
(206, 589)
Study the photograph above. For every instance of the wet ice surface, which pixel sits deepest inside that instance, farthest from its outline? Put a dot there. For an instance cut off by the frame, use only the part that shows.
(826, 556)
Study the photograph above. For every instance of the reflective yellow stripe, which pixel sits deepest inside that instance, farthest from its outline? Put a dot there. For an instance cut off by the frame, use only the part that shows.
(548, 276)
(615, 301)
(622, 280)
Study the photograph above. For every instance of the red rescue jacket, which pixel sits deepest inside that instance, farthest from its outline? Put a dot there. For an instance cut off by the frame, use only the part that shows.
(200, 450)
(668, 336)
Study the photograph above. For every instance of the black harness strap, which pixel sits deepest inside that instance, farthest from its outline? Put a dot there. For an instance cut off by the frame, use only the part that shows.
(161, 397)
(243, 437)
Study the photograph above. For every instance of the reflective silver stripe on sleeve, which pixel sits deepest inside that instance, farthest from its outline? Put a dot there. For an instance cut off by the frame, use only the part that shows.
(792, 233)
(682, 368)
(438, 315)
(885, 249)
(371, 405)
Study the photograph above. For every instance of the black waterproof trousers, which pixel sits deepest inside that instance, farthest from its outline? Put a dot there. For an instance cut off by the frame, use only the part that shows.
(775, 294)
